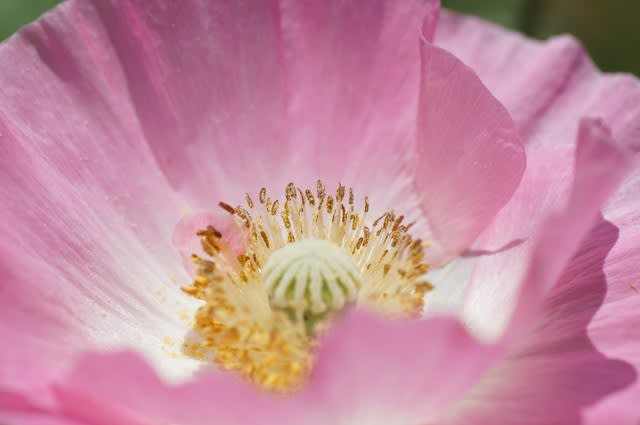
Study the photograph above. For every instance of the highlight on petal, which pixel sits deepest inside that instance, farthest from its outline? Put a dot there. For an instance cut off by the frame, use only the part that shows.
(470, 158)
(452, 281)
(85, 248)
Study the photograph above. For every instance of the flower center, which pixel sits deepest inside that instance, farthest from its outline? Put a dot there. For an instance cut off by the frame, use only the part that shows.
(265, 308)
(311, 274)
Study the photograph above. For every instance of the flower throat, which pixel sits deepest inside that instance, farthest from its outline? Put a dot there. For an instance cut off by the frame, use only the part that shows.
(305, 259)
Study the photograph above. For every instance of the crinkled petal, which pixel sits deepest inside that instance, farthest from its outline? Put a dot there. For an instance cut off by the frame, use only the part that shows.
(547, 86)
(470, 158)
(555, 305)
(614, 327)
(559, 353)
(498, 275)
(600, 167)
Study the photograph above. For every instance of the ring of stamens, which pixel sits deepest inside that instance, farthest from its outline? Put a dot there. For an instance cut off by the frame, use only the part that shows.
(306, 258)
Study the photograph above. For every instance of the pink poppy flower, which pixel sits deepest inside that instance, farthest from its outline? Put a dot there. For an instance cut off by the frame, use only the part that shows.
(485, 241)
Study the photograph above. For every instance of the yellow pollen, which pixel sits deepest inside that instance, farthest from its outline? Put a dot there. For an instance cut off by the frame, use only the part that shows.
(307, 257)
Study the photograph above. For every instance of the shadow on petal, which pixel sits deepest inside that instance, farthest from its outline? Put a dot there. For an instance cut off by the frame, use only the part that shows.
(557, 372)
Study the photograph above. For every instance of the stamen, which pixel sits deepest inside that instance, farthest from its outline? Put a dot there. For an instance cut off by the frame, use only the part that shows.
(306, 259)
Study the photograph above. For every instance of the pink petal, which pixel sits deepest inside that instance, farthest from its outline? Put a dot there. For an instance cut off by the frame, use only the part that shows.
(555, 305)
(470, 158)
(547, 86)
(354, 73)
(500, 254)
(37, 418)
(206, 84)
(451, 282)
(367, 370)
(118, 115)
(614, 327)
(136, 392)
(372, 370)
(561, 356)
(87, 216)
(232, 97)
(499, 269)
(16, 409)
(600, 167)
(620, 409)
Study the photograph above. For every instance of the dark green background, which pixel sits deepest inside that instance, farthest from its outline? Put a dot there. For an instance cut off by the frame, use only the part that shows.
(609, 28)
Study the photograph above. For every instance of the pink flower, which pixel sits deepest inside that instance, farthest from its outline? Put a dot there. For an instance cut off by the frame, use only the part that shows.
(124, 122)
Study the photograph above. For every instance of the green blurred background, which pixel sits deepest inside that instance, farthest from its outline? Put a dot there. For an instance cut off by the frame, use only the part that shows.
(609, 28)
